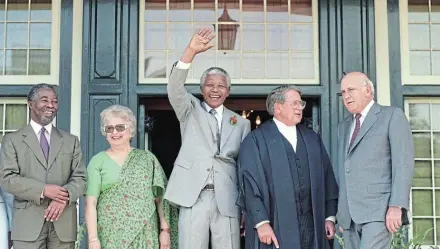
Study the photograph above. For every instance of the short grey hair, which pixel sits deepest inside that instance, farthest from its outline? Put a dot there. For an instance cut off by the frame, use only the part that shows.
(277, 96)
(118, 111)
(368, 83)
(36, 88)
(216, 71)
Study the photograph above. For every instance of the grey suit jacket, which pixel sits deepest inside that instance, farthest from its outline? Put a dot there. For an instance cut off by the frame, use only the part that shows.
(377, 171)
(7, 199)
(197, 154)
(24, 173)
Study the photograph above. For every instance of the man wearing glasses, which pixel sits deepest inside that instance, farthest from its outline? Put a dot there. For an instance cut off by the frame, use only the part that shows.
(288, 186)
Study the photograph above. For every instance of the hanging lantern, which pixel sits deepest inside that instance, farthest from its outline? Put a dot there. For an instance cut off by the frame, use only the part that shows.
(227, 33)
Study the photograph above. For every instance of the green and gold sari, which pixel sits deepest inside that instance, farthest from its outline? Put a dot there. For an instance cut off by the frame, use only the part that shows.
(126, 211)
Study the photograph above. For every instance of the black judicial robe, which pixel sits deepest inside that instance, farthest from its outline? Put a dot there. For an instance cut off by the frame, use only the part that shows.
(267, 190)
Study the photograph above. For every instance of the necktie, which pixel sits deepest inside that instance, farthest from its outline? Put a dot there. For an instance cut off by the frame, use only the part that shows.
(357, 127)
(213, 113)
(43, 143)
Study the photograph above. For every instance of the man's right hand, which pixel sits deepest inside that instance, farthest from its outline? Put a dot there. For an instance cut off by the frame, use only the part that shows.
(199, 43)
(56, 193)
(266, 235)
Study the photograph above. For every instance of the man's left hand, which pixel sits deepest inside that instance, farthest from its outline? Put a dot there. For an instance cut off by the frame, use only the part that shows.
(393, 219)
(330, 229)
(54, 211)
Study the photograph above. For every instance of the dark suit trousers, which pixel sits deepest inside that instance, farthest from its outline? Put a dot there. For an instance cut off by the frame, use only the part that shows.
(47, 239)
(306, 230)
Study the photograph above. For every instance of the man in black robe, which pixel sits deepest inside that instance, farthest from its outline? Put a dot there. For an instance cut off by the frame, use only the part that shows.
(288, 188)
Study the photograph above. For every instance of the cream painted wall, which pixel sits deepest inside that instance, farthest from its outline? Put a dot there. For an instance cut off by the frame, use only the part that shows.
(75, 107)
(382, 57)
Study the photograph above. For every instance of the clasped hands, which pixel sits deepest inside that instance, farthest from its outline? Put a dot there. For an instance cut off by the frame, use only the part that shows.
(59, 197)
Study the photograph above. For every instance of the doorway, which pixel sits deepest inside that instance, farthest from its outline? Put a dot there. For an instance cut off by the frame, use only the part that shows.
(162, 129)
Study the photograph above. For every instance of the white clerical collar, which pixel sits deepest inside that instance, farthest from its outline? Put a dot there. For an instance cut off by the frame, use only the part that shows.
(282, 125)
(37, 127)
(366, 109)
(219, 109)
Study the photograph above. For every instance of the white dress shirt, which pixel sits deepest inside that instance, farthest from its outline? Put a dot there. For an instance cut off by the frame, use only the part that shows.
(37, 129)
(362, 118)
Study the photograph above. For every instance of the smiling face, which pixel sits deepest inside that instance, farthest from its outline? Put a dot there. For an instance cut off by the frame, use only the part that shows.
(215, 90)
(118, 132)
(289, 112)
(44, 106)
(356, 93)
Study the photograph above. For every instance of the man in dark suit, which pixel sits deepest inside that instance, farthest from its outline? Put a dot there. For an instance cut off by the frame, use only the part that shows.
(42, 167)
(288, 186)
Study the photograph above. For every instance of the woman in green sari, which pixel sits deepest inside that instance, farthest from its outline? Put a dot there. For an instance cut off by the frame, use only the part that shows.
(124, 205)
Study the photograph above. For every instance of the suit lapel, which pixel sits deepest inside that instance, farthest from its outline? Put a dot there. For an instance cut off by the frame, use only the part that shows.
(206, 127)
(56, 142)
(346, 129)
(370, 119)
(31, 140)
(227, 127)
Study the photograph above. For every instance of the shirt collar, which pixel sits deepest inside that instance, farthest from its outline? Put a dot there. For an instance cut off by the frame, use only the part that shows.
(219, 109)
(37, 127)
(283, 126)
(366, 109)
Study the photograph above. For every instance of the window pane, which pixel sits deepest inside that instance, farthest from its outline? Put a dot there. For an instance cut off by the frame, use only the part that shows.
(253, 37)
(301, 11)
(253, 66)
(155, 36)
(436, 144)
(204, 60)
(2, 35)
(253, 11)
(418, 11)
(174, 56)
(16, 35)
(16, 62)
(39, 62)
(230, 62)
(154, 64)
(1, 117)
(436, 63)
(435, 11)
(435, 118)
(420, 227)
(204, 11)
(277, 66)
(40, 35)
(2, 59)
(302, 37)
(277, 11)
(422, 174)
(179, 35)
(18, 10)
(419, 116)
(155, 11)
(41, 11)
(420, 63)
(15, 116)
(422, 202)
(180, 11)
(303, 66)
(233, 8)
(437, 179)
(277, 37)
(435, 36)
(422, 144)
(2, 10)
(418, 36)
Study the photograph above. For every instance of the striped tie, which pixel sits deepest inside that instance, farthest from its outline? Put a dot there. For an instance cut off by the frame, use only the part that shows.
(357, 127)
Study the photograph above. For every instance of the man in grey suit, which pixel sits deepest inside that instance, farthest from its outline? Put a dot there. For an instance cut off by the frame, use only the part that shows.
(204, 179)
(42, 167)
(376, 167)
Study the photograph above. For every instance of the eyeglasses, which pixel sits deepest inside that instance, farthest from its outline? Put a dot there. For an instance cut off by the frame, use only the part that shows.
(118, 127)
(297, 103)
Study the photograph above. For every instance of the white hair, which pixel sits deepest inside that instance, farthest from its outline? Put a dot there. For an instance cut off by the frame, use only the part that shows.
(215, 71)
(118, 111)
